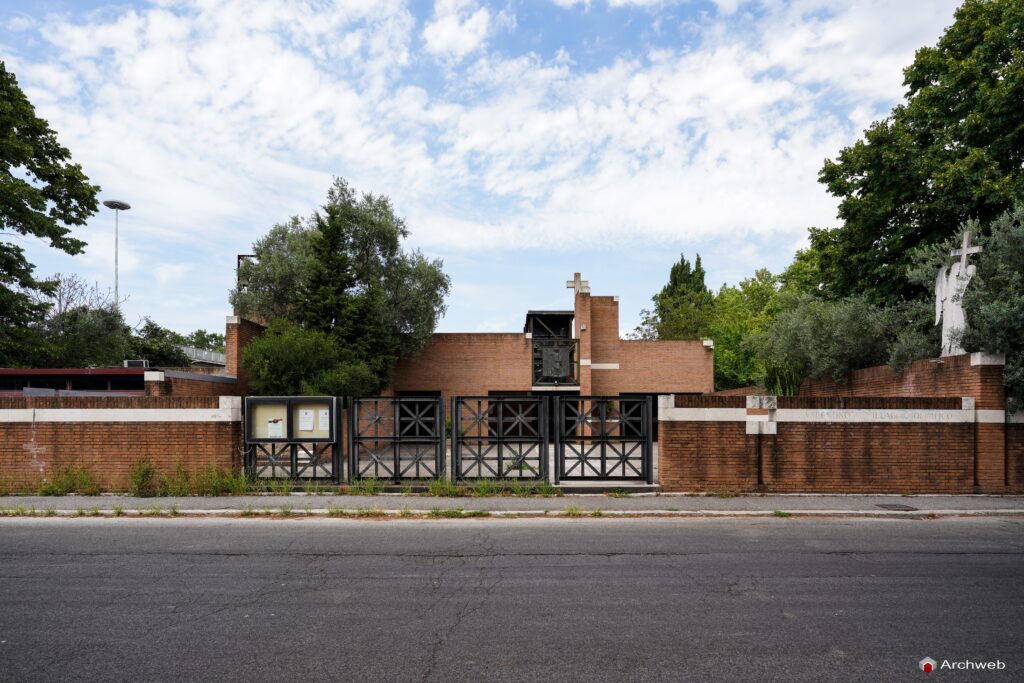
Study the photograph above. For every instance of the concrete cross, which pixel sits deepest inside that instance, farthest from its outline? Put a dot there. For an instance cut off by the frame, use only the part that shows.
(578, 284)
(965, 249)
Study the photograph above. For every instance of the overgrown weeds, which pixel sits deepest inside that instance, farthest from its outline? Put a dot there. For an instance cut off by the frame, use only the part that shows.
(456, 513)
(482, 488)
(144, 480)
(70, 480)
(443, 488)
(366, 487)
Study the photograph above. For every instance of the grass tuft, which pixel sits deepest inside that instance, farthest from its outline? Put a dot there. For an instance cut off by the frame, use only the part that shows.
(456, 513)
(572, 511)
(366, 487)
(443, 488)
(782, 513)
(118, 511)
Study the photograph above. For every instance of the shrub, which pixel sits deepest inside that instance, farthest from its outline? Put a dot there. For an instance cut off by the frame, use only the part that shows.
(142, 479)
(70, 480)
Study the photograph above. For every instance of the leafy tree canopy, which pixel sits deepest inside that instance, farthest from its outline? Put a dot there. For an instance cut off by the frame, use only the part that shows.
(682, 309)
(740, 313)
(42, 194)
(343, 275)
(812, 337)
(953, 151)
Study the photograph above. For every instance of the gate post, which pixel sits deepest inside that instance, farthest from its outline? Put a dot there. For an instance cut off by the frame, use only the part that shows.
(442, 442)
(649, 438)
(351, 417)
(558, 440)
(456, 442)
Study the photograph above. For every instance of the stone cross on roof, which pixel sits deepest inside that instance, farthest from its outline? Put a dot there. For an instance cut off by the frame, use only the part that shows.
(965, 249)
(581, 286)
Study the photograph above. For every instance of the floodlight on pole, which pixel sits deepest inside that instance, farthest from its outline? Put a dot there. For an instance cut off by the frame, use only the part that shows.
(118, 206)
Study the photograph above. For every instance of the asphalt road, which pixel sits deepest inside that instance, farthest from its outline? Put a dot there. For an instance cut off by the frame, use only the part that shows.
(537, 599)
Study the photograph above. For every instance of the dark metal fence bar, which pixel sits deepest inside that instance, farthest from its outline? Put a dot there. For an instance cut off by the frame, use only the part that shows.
(395, 438)
(499, 437)
(604, 438)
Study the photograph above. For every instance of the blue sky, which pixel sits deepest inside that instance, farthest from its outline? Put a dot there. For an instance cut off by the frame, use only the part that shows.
(523, 141)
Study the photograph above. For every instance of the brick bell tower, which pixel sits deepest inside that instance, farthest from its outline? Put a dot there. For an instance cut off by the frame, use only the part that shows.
(581, 306)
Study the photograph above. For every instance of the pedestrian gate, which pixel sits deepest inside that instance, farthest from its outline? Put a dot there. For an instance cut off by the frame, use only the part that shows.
(499, 437)
(396, 437)
(603, 438)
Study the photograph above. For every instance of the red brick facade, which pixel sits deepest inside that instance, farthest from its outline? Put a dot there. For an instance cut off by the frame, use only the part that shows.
(40, 437)
(239, 333)
(473, 364)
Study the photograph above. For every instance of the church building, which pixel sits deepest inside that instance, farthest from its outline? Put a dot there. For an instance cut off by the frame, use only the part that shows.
(575, 351)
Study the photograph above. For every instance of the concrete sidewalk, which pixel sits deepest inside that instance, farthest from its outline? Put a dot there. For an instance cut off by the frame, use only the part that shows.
(642, 504)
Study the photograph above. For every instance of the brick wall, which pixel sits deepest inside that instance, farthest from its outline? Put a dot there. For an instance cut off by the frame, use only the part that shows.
(658, 367)
(238, 334)
(174, 383)
(826, 445)
(604, 328)
(968, 374)
(40, 437)
(869, 458)
(468, 365)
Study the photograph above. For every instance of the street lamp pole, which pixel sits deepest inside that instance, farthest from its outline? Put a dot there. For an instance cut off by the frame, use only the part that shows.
(118, 206)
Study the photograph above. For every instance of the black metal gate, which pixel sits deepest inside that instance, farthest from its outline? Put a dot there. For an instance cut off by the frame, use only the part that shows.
(499, 437)
(293, 461)
(603, 438)
(396, 437)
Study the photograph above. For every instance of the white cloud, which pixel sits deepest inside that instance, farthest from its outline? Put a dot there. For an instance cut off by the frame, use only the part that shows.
(458, 28)
(217, 119)
(19, 23)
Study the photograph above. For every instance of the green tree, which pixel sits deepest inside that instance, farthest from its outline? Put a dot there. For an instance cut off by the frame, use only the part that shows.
(84, 336)
(208, 341)
(357, 285)
(42, 194)
(267, 284)
(683, 307)
(740, 313)
(953, 151)
(159, 345)
(812, 337)
(287, 360)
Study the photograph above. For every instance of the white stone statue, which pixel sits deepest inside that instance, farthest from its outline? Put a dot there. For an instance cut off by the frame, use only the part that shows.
(950, 283)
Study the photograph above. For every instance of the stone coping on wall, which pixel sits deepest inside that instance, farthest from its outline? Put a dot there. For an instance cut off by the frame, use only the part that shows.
(763, 413)
(134, 409)
(161, 375)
